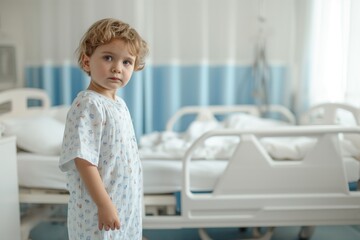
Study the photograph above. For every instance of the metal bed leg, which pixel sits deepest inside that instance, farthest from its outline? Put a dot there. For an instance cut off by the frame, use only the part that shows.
(306, 232)
(203, 234)
(256, 232)
(267, 236)
(33, 217)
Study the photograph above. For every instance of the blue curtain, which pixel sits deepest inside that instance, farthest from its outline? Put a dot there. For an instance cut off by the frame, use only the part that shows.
(156, 93)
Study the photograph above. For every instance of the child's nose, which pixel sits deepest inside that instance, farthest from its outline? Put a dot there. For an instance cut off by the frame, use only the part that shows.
(116, 68)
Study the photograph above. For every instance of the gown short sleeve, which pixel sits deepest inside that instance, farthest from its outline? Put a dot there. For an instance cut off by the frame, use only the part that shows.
(82, 134)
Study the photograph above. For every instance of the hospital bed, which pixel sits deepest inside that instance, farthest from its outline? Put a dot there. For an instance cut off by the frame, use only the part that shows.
(267, 193)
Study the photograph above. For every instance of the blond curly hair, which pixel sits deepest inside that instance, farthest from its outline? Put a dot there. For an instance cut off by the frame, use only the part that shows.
(105, 30)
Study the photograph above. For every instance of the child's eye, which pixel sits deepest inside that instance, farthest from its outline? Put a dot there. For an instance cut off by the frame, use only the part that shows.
(108, 58)
(127, 62)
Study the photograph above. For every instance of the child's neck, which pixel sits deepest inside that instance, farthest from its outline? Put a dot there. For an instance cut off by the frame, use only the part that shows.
(105, 92)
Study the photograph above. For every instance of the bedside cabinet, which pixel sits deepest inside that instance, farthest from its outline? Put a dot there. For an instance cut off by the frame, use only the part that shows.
(9, 190)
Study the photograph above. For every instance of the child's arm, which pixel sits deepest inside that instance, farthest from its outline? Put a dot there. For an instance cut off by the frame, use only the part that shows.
(107, 213)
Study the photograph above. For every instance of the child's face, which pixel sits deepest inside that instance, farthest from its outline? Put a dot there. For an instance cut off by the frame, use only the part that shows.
(110, 66)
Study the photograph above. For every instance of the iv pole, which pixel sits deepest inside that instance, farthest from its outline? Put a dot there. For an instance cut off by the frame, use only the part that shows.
(261, 69)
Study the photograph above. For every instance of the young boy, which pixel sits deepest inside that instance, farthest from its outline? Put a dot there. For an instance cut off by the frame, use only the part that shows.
(99, 151)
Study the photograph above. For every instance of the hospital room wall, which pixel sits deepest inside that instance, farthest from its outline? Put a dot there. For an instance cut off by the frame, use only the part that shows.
(202, 52)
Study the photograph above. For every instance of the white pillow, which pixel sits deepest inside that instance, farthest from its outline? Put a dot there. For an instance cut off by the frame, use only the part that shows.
(246, 121)
(59, 112)
(198, 127)
(38, 134)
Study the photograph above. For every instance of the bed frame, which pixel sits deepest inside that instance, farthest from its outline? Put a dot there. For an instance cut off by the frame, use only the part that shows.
(285, 194)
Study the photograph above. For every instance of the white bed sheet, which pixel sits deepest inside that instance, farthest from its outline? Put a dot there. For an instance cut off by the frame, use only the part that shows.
(160, 176)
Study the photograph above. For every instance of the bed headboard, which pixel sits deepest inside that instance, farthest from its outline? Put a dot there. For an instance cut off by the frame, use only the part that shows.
(208, 112)
(18, 100)
(328, 113)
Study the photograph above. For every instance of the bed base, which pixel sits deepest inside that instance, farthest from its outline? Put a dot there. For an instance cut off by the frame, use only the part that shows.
(45, 203)
(155, 204)
(48, 202)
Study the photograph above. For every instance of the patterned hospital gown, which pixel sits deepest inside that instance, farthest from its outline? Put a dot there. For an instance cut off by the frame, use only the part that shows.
(100, 131)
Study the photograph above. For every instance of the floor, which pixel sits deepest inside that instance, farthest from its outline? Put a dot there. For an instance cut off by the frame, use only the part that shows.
(57, 231)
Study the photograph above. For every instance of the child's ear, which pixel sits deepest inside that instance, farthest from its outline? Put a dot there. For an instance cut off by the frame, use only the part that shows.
(86, 62)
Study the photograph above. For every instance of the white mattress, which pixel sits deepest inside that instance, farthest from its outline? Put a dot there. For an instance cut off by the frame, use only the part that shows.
(39, 171)
(160, 176)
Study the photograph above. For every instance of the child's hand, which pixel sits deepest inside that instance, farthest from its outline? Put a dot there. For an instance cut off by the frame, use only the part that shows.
(108, 217)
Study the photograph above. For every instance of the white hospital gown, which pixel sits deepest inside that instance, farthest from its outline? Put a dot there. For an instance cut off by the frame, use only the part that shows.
(100, 131)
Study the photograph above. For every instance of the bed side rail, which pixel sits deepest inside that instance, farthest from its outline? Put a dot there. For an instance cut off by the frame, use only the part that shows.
(256, 190)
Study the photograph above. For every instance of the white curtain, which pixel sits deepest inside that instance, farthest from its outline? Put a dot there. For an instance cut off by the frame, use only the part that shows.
(329, 50)
(352, 94)
(334, 52)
